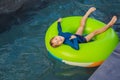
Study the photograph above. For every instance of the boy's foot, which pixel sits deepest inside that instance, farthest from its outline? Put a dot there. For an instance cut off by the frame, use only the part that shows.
(113, 20)
(92, 9)
(59, 20)
(89, 12)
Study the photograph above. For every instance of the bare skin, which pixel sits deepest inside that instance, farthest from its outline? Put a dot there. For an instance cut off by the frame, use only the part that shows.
(101, 30)
(58, 40)
(94, 33)
(83, 21)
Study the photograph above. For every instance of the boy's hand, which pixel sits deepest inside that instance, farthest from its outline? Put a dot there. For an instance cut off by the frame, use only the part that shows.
(72, 37)
(59, 20)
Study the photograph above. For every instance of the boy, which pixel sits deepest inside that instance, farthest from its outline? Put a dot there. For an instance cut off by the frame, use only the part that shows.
(73, 40)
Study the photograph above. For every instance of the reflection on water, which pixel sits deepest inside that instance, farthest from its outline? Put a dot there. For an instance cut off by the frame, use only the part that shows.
(23, 55)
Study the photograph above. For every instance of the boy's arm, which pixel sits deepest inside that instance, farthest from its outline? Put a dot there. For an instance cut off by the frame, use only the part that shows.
(73, 43)
(59, 28)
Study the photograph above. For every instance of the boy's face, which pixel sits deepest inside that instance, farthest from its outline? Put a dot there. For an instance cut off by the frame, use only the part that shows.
(58, 40)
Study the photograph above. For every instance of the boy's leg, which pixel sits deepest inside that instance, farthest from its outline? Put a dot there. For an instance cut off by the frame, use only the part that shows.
(91, 35)
(82, 23)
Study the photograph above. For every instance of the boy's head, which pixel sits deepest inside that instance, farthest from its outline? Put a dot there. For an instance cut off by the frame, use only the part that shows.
(56, 41)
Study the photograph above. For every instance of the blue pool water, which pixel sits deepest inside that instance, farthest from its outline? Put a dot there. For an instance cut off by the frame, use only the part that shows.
(23, 55)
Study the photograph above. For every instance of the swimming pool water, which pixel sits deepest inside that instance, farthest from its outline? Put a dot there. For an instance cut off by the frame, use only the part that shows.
(23, 55)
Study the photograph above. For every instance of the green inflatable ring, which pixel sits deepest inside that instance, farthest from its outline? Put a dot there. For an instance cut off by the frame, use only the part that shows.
(90, 54)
